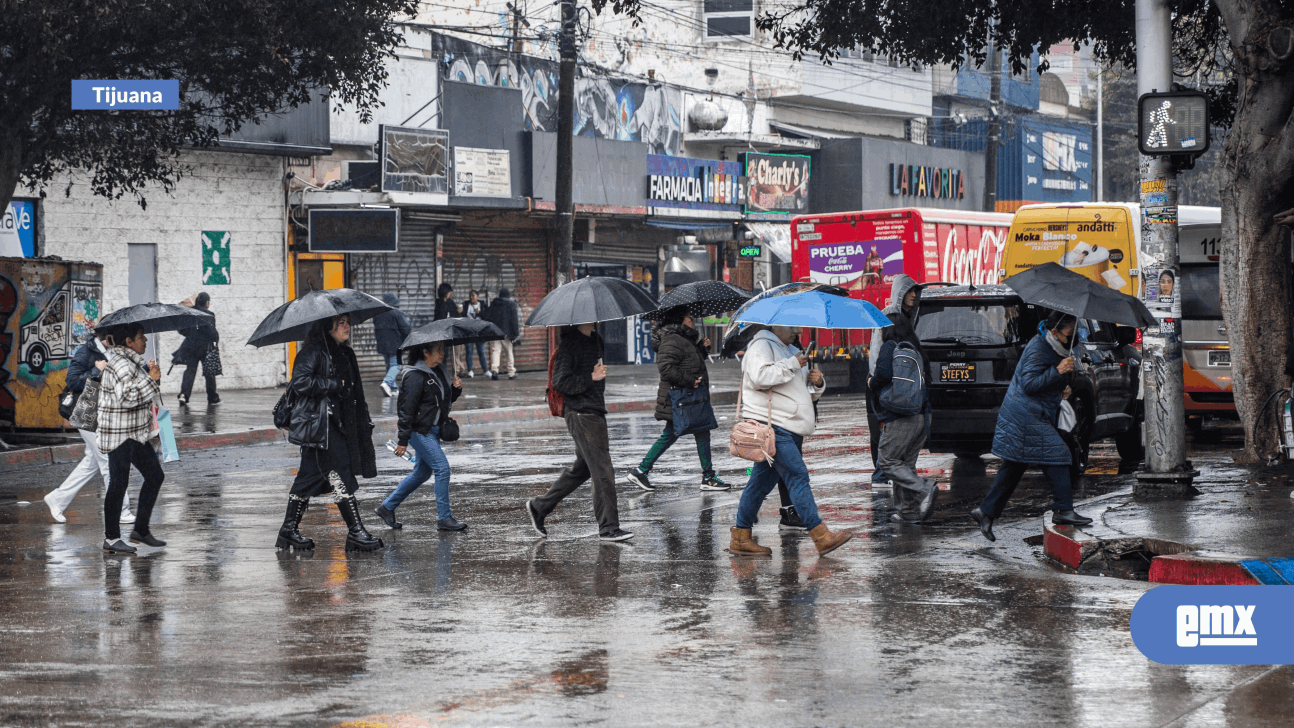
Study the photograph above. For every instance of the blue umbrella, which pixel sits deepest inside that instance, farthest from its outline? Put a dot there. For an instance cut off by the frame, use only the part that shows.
(814, 309)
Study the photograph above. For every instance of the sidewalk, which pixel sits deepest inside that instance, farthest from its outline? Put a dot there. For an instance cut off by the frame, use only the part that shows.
(243, 416)
(1237, 531)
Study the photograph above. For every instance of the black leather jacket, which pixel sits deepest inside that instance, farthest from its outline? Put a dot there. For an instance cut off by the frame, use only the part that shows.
(314, 385)
(422, 404)
(573, 372)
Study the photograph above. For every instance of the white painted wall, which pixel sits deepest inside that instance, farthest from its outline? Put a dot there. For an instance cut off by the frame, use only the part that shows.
(238, 193)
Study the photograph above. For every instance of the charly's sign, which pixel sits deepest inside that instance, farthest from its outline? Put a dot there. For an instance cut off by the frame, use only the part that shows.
(921, 181)
(777, 184)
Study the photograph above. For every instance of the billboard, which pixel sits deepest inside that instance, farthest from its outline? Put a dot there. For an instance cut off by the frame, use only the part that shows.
(415, 160)
(777, 185)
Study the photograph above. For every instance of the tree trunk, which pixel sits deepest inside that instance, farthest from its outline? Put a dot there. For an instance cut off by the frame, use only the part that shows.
(11, 149)
(1258, 174)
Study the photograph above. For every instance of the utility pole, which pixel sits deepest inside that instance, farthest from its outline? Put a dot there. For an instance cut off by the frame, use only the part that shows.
(1100, 134)
(994, 140)
(1166, 470)
(564, 222)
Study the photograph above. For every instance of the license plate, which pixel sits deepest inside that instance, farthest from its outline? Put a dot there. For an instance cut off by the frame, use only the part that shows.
(957, 372)
(1220, 358)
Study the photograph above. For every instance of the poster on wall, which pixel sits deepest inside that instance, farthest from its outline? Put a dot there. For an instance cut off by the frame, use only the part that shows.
(215, 258)
(777, 185)
(415, 160)
(18, 230)
(482, 172)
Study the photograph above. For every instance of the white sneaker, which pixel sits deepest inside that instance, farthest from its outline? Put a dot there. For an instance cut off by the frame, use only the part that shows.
(127, 517)
(387, 388)
(470, 375)
(53, 511)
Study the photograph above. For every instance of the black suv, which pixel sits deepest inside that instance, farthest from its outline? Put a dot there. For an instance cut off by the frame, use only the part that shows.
(974, 336)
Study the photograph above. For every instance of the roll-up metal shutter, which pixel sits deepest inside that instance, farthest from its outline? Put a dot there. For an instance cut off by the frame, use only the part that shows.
(487, 252)
(409, 273)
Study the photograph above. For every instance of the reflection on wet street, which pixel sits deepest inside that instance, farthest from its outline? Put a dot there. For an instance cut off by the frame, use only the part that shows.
(904, 626)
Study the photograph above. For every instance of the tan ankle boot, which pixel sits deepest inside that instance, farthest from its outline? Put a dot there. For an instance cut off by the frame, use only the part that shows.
(826, 541)
(743, 544)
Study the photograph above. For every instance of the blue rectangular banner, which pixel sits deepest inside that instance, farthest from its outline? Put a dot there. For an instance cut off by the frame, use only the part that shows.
(126, 95)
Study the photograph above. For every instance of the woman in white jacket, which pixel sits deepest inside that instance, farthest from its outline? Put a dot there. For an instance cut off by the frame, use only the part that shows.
(777, 388)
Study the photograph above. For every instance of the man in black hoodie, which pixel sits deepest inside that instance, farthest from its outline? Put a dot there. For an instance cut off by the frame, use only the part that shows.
(580, 376)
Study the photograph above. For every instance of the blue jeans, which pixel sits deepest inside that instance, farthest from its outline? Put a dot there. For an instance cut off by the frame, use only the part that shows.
(789, 465)
(431, 461)
(392, 369)
(480, 354)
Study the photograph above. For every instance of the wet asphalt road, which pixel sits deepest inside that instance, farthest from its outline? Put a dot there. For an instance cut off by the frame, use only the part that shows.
(904, 626)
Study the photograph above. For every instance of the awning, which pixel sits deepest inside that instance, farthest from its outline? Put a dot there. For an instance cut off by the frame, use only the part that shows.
(688, 224)
(776, 235)
(804, 132)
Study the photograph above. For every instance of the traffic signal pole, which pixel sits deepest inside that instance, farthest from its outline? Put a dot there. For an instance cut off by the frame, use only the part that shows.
(1166, 471)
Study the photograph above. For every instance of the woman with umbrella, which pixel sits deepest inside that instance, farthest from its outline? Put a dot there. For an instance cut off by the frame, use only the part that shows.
(1026, 425)
(426, 394)
(330, 422)
(681, 351)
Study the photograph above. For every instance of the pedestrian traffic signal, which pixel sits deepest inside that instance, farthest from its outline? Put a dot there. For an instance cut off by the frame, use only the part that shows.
(1175, 123)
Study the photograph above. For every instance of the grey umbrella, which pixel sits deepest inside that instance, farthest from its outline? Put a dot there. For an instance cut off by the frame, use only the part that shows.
(1063, 290)
(453, 332)
(157, 317)
(590, 300)
(292, 320)
(702, 298)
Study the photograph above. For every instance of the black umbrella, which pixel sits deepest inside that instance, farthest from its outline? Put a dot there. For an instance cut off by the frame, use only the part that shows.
(702, 298)
(292, 320)
(738, 333)
(1054, 287)
(589, 300)
(156, 317)
(453, 332)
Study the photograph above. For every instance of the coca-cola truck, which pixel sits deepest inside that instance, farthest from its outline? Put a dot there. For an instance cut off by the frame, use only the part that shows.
(863, 251)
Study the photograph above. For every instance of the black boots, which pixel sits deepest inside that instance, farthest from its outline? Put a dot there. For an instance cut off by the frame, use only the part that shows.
(289, 537)
(985, 523)
(1069, 518)
(357, 539)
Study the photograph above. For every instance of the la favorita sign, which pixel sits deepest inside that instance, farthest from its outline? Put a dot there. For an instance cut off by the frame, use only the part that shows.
(919, 181)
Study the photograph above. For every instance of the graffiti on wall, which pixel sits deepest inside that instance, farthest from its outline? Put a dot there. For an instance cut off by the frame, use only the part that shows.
(46, 317)
(605, 107)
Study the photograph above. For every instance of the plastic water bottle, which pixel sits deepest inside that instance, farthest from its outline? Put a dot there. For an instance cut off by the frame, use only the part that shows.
(408, 452)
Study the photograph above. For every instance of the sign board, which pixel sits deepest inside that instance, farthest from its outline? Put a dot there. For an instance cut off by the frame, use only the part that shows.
(913, 180)
(354, 231)
(750, 251)
(415, 160)
(777, 184)
(482, 172)
(684, 187)
(1173, 123)
(215, 257)
(18, 230)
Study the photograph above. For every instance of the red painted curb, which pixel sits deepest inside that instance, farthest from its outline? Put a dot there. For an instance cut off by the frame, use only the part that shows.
(31, 456)
(1194, 568)
(67, 453)
(1067, 544)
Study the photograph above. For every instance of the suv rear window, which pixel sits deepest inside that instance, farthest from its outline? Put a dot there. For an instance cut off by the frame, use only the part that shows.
(972, 323)
(1200, 292)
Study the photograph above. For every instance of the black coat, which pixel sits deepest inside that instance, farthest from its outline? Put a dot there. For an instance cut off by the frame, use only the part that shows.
(446, 308)
(198, 340)
(680, 357)
(504, 313)
(82, 366)
(577, 354)
(390, 328)
(319, 396)
(422, 404)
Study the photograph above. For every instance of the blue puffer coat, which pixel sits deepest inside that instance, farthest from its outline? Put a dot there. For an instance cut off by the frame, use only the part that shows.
(1026, 424)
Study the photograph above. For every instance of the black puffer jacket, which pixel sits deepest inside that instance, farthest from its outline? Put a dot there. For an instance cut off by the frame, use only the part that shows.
(422, 404)
(319, 396)
(680, 357)
(577, 354)
(198, 340)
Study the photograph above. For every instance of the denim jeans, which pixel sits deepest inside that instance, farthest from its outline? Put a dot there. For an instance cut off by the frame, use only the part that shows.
(1008, 477)
(431, 461)
(480, 354)
(668, 438)
(789, 465)
(392, 369)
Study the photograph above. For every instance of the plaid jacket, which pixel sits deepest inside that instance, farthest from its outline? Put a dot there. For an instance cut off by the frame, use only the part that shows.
(126, 397)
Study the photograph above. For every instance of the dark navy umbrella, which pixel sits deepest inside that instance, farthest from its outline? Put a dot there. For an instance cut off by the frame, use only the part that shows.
(292, 320)
(1057, 288)
(156, 317)
(454, 332)
(702, 298)
(590, 300)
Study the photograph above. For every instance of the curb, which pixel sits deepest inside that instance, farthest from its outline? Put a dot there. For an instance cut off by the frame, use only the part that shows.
(385, 427)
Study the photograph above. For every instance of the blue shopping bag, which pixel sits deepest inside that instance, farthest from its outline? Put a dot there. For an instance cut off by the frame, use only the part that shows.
(692, 411)
(166, 433)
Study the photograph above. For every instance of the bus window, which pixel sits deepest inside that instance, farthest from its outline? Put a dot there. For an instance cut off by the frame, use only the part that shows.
(1200, 292)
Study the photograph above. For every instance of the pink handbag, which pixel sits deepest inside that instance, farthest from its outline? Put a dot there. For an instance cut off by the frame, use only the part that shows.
(753, 440)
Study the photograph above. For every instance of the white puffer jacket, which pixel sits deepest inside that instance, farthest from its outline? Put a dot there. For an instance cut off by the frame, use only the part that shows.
(770, 372)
